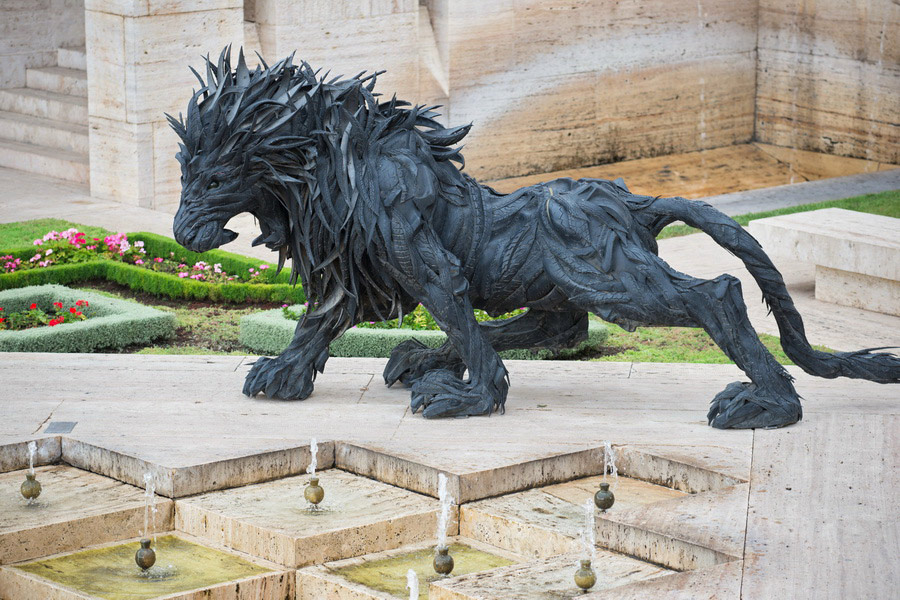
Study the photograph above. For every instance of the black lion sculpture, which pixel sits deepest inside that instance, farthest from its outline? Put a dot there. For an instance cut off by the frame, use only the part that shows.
(366, 200)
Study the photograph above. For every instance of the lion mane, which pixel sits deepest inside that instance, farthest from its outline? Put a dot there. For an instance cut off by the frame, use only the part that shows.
(313, 142)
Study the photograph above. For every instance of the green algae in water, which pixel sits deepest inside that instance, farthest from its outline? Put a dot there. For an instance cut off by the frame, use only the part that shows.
(389, 574)
(110, 572)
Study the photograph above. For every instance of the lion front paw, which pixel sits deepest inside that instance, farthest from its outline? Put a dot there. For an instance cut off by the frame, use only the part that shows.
(443, 394)
(743, 405)
(410, 360)
(279, 378)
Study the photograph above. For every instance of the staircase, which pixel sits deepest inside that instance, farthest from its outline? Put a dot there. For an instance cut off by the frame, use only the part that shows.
(44, 126)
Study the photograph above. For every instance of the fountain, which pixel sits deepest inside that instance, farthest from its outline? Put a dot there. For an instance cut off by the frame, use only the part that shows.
(31, 487)
(313, 493)
(443, 562)
(585, 577)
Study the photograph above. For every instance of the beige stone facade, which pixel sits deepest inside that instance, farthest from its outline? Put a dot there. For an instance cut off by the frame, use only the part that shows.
(549, 85)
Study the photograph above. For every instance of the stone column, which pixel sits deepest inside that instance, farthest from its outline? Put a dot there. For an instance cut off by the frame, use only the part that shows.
(138, 53)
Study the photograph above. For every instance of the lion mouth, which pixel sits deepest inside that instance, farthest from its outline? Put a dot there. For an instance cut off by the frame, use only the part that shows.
(206, 237)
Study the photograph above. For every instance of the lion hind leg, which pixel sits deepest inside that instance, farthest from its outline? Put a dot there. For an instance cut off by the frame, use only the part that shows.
(654, 294)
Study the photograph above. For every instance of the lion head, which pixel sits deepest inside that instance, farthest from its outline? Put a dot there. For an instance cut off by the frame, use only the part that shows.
(239, 146)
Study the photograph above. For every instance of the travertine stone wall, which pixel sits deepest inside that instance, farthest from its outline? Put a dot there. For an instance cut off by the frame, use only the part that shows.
(829, 76)
(32, 30)
(138, 55)
(552, 84)
(347, 37)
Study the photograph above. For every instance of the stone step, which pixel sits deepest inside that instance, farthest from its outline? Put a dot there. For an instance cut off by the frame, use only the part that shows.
(57, 79)
(47, 105)
(72, 58)
(44, 132)
(51, 162)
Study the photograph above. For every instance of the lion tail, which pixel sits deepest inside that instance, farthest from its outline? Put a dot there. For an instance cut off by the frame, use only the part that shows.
(866, 364)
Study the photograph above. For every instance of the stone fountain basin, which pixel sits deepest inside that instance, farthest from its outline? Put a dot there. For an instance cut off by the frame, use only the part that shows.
(382, 575)
(185, 570)
(273, 520)
(75, 509)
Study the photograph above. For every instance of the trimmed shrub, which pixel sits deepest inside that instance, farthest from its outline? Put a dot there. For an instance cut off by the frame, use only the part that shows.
(152, 282)
(111, 323)
(268, 332)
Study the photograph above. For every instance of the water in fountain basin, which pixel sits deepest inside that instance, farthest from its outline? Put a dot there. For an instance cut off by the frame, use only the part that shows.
(609, 464)
(412, 584)
(446, 500)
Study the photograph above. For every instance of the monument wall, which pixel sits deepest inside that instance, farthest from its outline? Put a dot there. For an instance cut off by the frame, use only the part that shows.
(829, 76)
(548, 84)
(552, 84)
(32, 30)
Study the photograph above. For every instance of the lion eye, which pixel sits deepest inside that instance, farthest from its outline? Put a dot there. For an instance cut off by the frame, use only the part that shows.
(212, 185)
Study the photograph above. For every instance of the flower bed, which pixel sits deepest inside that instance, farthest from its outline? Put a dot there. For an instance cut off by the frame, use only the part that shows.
(145, 262)
(112, 323)
(269, 332)
(37, 316)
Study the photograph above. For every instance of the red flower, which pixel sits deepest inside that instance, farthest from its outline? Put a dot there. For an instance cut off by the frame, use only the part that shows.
(33, 306)
(58, 305)
(73, 310)
(1, 308)
(78, 314)
(52, 322)
(2, 319)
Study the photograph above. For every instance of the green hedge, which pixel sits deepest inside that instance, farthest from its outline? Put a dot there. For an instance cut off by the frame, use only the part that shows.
(111, 323)
(268, 332)
(160, 284)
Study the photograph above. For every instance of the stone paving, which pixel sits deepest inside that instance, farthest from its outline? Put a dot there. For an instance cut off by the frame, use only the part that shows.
(808, 511)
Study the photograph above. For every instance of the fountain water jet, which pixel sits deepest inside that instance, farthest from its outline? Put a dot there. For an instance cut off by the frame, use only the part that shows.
(412, 584)
(145, 557)
(443, 562)
(585, 577)
(604, 498)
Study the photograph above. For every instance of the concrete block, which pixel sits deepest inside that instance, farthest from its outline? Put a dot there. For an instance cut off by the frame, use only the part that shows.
(272, 520)
(545, 522)
(857, 290)
(403, 471)
(547, 578)
(193, 475)
(14, 456)
(839, 239)
(75, 509)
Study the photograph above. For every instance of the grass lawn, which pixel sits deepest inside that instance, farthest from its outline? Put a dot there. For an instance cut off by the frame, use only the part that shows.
(676, 345)
(884, 203)
(23, 233)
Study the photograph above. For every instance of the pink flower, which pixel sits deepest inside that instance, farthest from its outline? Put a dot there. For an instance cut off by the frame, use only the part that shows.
(38, 242)
(158, 259)
(138, 262)
(48, 252)
(182, 275)
(263, 267)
